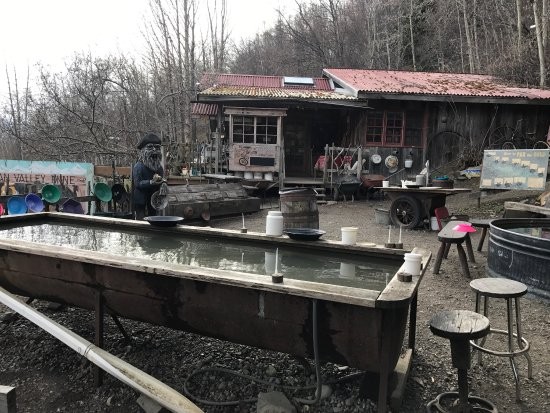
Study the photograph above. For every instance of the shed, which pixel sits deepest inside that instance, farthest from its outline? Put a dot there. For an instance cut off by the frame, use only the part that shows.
(389, 122)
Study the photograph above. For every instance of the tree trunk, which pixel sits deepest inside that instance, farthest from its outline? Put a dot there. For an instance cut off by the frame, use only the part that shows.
(413, 55)
(540, 45)
(518, 22)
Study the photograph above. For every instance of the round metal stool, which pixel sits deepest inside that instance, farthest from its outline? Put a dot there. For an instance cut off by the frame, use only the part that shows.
(511, 291)
(460, 326)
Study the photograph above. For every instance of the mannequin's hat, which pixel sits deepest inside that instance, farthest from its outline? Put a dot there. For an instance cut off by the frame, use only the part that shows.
(149, 138)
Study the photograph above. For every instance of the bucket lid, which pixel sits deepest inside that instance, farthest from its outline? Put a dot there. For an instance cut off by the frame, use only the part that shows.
(51, 193)
(16, 205)
(103, 192)
(275, 213)
(72, 207)
(34, 203)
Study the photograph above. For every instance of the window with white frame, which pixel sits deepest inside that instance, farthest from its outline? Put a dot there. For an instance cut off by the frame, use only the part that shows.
(254, 129)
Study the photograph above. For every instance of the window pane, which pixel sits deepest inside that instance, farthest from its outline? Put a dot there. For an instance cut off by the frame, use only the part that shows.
(394, 128)
(375, 127)
(248, 138)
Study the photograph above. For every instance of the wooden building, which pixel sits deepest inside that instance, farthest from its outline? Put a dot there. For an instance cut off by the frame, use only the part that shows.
(377, 122)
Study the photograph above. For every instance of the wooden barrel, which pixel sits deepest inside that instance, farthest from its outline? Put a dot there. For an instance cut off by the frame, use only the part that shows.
(299, 208)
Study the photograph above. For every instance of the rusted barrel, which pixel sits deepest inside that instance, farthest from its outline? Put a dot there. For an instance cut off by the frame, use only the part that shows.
(299, 208)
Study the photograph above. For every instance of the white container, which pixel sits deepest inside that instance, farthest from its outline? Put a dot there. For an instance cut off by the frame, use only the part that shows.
(349, 235)
(420, 180)
(239, 174)
(268, 176)
(433, 224)
(408, 163)
(258, 175)
(347, 270)
(248, 175)
(385, 184)
(274, 223)
(413, 263)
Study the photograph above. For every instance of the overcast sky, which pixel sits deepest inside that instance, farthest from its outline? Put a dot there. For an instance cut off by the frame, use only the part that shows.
(49, 31)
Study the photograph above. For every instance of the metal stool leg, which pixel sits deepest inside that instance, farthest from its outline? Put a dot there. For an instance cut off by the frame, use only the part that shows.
(511, 346)
(520, 341)
(486, 314)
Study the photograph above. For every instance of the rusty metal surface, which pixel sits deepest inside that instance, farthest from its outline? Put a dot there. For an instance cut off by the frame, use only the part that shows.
(260, 81)
(425, 83)
(280, 93)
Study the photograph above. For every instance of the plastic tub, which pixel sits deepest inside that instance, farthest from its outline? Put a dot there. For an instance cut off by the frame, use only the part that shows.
(274, 223)
(349, 235)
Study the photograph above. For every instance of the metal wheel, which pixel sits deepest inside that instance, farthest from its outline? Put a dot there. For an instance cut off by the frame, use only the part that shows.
(541, 145)
(505, 135)
(405, 211)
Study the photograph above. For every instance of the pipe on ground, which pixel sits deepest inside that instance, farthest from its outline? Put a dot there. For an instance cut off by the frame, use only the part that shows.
(125, 372)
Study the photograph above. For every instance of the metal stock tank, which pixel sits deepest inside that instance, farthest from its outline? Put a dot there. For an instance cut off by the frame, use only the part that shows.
(519, 249)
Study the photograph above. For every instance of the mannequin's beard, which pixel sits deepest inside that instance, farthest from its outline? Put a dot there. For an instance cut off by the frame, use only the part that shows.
(151, 159)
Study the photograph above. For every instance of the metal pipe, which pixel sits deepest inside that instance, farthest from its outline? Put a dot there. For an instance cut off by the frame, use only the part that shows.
(125, 372)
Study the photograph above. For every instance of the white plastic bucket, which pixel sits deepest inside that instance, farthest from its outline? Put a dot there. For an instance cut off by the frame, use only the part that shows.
(413, 263)
(248, 175)
(268, 176)
(349, 235)
(420, 179)
(433, 224)
(385, 184)
(274, 223)
(258, 175)
(408, 163)
(347, 270)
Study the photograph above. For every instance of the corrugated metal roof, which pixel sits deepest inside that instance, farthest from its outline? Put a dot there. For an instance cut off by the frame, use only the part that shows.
(205, 109)
(221, 79)
(426, 83)
(276, 93)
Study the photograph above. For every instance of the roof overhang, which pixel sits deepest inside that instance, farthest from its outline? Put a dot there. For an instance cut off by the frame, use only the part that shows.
(355, 104)
(454, 99)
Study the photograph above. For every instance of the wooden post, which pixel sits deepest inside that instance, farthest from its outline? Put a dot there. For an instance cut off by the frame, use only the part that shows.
(7, 400)
(99, 312)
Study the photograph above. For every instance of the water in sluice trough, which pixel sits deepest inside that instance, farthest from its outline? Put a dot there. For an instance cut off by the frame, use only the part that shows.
(366, 272)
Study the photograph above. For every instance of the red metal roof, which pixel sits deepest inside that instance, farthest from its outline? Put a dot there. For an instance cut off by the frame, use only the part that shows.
(426, 83)
(204, 109)
(261, 81)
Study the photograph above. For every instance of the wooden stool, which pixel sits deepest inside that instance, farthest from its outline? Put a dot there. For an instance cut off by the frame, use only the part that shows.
(511, 291)
(448, 236)
(485, 224)
(460, 326)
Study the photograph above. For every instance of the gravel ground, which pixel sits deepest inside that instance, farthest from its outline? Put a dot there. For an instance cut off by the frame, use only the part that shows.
(51, 378)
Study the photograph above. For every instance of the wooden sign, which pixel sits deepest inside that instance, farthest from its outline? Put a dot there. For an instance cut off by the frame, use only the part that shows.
(515, 169)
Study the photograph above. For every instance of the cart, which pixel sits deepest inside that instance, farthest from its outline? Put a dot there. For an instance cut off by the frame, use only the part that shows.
(410, 207)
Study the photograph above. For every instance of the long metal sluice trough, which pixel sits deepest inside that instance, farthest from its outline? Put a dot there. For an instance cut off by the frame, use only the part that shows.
(121, 370)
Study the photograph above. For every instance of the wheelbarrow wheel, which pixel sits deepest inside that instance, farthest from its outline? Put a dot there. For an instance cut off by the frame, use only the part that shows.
(405, 212)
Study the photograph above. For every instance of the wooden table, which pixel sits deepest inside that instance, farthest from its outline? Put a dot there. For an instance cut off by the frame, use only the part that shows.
(410, 206)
